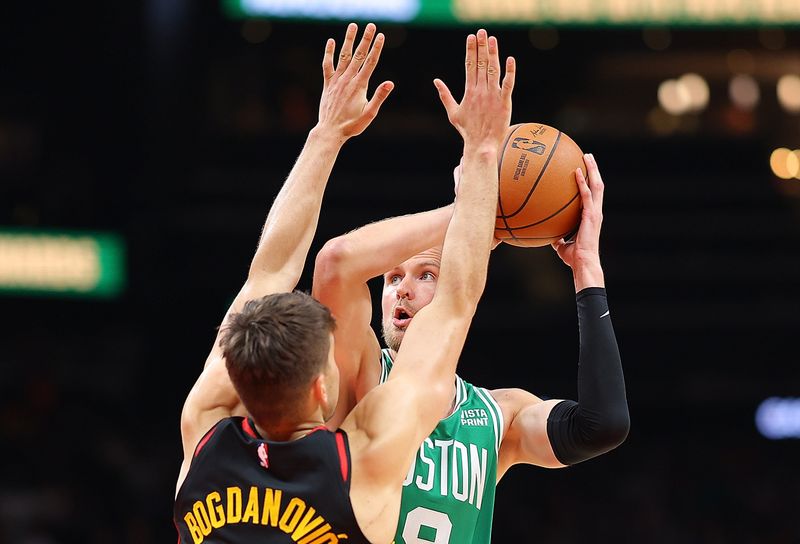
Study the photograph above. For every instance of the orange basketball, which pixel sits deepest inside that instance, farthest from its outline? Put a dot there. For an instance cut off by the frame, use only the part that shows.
(539, 202)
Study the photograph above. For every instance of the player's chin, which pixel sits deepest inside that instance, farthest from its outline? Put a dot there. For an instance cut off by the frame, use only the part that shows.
(393, 336)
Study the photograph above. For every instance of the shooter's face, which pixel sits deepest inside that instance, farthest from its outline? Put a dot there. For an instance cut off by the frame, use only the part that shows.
(407, 288)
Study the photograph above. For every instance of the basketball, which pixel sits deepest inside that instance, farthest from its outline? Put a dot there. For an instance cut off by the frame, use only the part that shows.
(538, 201)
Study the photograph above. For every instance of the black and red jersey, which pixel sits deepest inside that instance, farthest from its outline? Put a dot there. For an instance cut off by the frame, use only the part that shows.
(242, 489)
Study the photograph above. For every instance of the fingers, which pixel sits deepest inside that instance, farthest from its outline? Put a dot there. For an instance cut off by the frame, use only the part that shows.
(583, 189)
(493, 70)
(596, 185)
(508, 79)
(471, 61)
(372, 59)
(483, 57)
(380, 96)
(446, 97)
(346, 53)
(362, 49)
(327, 60)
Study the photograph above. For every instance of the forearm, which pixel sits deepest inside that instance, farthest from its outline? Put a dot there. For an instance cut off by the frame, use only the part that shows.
(373, 249)
(599, 421)
(292, 221)
(470, 234)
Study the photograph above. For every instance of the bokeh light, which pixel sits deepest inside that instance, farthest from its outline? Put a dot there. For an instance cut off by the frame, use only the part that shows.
(744, 92)
(789, 92)
(674, 97)
(543, 38)
(785, 163)
(657, 39)
(698, 91)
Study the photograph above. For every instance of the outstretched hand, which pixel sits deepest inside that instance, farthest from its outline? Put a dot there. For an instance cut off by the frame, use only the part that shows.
(484, 114)
(344, 108)
(583, 253)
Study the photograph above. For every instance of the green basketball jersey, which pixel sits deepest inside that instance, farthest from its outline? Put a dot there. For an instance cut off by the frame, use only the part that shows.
(448, 494)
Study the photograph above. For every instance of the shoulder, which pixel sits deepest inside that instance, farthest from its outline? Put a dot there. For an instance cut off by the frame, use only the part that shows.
(512, 401)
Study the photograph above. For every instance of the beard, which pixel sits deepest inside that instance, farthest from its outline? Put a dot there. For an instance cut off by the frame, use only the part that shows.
(392, 336)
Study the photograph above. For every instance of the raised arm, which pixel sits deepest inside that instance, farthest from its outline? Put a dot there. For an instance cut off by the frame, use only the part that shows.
(557, 433)
(343, 267)
(290, 225)
(388, 425)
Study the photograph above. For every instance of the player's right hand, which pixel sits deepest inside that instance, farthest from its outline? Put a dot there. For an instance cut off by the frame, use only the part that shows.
(344, 108)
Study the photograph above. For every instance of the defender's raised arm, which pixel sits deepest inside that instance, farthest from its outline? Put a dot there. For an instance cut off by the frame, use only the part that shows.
(421, 384)
(289, 228)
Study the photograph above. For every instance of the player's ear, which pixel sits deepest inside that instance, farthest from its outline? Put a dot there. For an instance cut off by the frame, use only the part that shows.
(319, 391)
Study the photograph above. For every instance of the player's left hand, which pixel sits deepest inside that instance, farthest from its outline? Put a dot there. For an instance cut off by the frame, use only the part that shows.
(584, 249)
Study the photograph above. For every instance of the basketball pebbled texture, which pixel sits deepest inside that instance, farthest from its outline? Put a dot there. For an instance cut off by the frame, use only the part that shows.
(538, 202)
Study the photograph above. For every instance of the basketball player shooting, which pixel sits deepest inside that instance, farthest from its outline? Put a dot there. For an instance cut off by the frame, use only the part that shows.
(449, 491)
(259, 463)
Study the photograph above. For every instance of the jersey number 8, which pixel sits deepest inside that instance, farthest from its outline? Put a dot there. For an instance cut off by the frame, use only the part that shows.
(419, 517)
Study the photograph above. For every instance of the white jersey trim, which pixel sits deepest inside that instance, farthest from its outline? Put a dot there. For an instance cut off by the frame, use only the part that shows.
(497, 415)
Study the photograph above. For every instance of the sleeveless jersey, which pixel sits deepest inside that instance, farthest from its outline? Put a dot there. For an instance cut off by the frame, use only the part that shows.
(241, 489)
(448, 494)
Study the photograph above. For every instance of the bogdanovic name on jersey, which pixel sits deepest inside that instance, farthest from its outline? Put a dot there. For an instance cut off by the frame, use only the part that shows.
(294, 517)
(475, 417)
(461, 470)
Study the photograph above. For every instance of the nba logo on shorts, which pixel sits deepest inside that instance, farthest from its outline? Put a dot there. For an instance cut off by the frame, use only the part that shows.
(526, 144)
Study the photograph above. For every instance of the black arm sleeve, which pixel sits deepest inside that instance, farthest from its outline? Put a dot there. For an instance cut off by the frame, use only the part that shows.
(599, 421)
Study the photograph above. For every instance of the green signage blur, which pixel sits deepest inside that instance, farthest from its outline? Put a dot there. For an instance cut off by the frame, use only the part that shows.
(68, 263)
(528, 12)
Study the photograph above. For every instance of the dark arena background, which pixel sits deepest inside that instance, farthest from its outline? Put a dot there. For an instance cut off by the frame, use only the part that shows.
(142, 143)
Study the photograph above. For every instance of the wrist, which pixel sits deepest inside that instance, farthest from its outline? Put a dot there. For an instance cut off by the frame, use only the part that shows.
(588, 274)
(481, 149)
(327, 136)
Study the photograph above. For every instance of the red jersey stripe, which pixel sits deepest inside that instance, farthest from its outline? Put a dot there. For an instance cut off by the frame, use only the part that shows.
(205, 439)
(342, 454)
(248, 429)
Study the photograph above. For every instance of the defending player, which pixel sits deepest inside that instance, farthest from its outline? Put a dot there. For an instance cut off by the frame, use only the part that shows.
(450, 488)
(264, 468)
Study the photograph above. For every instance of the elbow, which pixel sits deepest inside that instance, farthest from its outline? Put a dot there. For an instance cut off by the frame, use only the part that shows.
(614, 429)
(330, 265)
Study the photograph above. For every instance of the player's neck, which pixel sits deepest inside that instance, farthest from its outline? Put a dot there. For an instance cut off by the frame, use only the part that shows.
(286, 432)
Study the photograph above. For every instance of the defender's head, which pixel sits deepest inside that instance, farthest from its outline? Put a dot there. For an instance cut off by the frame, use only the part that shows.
(279, 355)
(407, 288)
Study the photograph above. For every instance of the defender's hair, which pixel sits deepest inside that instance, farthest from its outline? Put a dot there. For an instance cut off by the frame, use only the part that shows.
(274, 348)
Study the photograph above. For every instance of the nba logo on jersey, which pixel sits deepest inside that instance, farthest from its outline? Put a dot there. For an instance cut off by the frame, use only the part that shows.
(262, 454)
